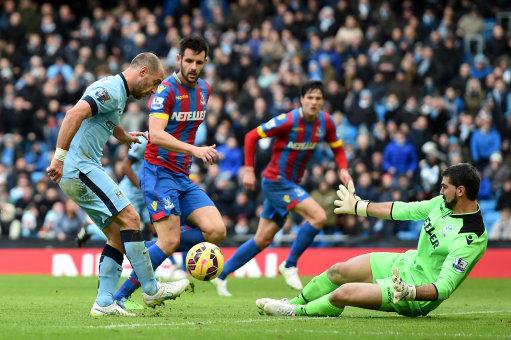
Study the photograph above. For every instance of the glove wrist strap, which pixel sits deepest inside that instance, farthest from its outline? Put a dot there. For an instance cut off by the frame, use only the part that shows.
(361, 208)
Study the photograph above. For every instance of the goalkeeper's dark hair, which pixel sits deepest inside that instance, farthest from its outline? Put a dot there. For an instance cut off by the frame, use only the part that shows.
(466, 175)
(195, 43)
(311, 86)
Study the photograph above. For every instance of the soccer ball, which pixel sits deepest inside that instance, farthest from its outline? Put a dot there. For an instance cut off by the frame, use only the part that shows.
(204, 261)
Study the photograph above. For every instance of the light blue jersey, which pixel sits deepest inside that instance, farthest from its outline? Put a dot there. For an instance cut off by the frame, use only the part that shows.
(134, 194)
(84, 180)
(107, 98)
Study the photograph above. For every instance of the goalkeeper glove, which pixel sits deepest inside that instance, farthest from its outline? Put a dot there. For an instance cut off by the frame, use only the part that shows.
(402, 290)
(349, 203)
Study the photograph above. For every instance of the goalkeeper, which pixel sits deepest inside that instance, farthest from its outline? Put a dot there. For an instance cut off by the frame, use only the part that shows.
(414, 283)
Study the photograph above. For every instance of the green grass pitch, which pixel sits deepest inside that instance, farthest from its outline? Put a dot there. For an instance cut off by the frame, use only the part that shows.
(45, 307)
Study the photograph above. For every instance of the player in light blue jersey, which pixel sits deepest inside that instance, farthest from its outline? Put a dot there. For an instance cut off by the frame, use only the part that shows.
(76, 166)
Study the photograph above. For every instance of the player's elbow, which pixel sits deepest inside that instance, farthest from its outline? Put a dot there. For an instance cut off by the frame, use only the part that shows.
(155, 137)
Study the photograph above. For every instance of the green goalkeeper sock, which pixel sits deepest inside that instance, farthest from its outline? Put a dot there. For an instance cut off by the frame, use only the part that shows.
(319, 307)
(316, 288)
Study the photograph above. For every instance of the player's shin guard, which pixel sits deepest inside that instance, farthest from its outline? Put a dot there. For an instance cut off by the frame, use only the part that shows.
(189, 238)
(319, 307)
(303, 240)
(317, 287)
(110, 268)
(140, 261)
(243, 254)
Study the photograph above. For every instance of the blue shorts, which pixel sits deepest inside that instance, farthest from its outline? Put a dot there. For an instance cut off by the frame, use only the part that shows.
(136, 198)
(167, 192)
(97, 194)
(281, 196)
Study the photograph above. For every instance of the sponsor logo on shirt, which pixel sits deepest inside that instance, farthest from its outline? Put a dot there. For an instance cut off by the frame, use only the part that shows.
(102, 95)
(429, 229)
(154, 205)
(286, 198)
(190, 115)
(469, 239)
(297, 129)
(157, 103)
(460, 265)
(301, 146)
(119, 194)
(184, 96)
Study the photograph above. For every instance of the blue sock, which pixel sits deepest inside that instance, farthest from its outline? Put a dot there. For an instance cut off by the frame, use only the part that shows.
(131, 284)
(110, 268)
(183, 263)
(189, 238)
(138, 255)
(243, 254)
(302, 241)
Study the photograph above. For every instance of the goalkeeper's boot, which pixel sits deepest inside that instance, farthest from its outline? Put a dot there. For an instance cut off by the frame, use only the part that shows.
(129, 304)
(291, 276)
(166, 291)
(276, 307)
(113, 309)
(221, 287)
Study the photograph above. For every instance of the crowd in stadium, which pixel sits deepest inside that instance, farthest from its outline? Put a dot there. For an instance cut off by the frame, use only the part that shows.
(412, 88)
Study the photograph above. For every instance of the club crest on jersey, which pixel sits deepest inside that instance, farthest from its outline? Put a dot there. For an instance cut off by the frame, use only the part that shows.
(102, 95)
(460, 265)
(446, 230)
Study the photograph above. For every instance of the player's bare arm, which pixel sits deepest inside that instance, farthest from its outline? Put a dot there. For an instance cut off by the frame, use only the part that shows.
(128, 172)
(163, 139)
(127, 137)
(71, 123)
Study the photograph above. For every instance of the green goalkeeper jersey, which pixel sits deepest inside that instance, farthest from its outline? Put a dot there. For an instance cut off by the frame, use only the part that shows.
(449, 244)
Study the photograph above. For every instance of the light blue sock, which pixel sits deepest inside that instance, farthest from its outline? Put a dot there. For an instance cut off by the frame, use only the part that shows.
(110, 268)
(189, 238)
(140, 261)
(243, 254)
(131, 284)
(302, 241)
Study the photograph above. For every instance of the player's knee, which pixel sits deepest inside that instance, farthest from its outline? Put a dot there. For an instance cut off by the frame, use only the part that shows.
(335, 273)
(129, 218)
(262, 241)
(342, 295)
(318, 220)
(216, 235)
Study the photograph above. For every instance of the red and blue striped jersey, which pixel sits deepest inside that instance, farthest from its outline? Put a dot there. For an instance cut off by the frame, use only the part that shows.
(295, 141)
(185, 109)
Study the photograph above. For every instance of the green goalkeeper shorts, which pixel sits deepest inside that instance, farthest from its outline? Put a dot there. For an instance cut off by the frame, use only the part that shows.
(381, 268)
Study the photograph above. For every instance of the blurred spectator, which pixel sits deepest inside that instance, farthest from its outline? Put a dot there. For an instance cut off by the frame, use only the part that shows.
(399, 156)
(485, 140)
(502, 229)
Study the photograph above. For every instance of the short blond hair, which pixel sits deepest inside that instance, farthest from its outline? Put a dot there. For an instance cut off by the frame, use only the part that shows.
(148, 59)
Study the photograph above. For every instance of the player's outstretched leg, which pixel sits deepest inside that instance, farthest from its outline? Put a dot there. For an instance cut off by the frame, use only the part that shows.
(315, 218)
(110, 268)
(266, 230)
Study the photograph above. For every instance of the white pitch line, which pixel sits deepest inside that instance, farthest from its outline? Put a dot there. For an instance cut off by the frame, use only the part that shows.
(471, 313)
(273, 319)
